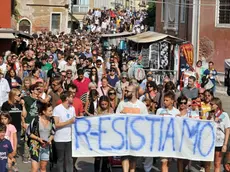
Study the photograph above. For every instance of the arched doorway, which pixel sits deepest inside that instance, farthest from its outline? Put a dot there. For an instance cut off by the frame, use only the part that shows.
(24, 25)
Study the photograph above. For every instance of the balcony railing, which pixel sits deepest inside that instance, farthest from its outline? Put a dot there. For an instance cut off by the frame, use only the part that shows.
(80, 8)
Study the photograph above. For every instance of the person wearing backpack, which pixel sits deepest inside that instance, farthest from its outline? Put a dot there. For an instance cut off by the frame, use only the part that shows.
(41, 133)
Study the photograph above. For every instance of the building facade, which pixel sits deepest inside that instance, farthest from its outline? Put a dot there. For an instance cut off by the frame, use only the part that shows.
(204, 23)
(42, 15)
(214, 32)
(174, 19)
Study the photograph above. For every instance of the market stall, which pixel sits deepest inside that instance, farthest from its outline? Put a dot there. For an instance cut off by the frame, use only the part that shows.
(115, 41)
(160, 53)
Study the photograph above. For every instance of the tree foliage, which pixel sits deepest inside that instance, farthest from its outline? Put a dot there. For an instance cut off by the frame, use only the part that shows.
(151, 17)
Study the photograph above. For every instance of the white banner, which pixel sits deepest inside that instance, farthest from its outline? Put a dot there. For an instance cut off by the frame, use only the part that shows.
(144, 135)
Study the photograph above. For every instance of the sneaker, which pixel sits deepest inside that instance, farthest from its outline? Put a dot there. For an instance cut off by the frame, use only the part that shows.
(202, 169)
(26, 160)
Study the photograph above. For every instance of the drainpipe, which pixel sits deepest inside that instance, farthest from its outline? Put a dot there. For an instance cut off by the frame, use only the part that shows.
(195, 29)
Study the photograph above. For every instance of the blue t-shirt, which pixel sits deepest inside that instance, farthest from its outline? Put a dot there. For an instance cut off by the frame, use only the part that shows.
(5, 150)
(213, 73)
(113, 82)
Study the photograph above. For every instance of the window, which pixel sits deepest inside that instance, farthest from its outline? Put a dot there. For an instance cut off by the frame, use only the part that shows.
(24, 25)
(223, 13)
(55, 21)
(183, 11)
(80, 6)
(163, 11)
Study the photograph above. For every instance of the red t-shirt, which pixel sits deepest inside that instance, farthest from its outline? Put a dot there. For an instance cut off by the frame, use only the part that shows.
(77, 104)
(82, 86)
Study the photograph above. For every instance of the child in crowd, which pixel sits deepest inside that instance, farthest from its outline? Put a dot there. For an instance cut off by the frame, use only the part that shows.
(194, 111)
(11, 135)
(6, 150)
(167, 110)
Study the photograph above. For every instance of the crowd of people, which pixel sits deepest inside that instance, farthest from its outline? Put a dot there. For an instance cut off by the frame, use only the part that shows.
(114, 21)
(47, 84)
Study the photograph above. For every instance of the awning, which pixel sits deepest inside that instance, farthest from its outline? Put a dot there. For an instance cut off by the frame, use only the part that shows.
(7, 36)
(148, 37)
(23, 35)
(118, 34)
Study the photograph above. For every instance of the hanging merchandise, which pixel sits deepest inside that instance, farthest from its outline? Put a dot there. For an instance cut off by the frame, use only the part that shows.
(188, 53)
(122, 45)
(164, 54)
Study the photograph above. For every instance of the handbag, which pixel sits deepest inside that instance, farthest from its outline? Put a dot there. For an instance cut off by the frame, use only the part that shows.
(209, 85)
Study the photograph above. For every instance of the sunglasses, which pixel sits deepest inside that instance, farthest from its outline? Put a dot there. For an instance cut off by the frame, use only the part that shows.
(184, 103)
(69, 73)
(112, 93)
(124, 77)
(149, 86)
(19, 95)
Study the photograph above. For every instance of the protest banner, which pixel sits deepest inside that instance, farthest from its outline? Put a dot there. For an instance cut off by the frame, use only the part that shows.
(144, 135)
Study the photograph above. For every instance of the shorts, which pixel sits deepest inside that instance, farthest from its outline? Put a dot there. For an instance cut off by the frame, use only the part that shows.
(44, 154)
(218, 149)
(130, 158)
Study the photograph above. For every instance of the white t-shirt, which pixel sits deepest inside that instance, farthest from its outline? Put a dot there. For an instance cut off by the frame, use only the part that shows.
(63, 134)
(166, 112)
(222, 123)
(128, 107)
(4, 90)
(61, 64)
(3, 68)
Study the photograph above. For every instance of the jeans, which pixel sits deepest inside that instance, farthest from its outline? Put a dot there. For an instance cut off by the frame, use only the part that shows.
(64, 156)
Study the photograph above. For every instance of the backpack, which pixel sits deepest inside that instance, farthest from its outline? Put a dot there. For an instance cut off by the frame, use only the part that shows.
(32, 129)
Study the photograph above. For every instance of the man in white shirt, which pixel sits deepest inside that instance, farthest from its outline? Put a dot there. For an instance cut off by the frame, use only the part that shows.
(61, 60)
(64, 116)
(4, 88)
(3, 65)
(131, 106)
(167, 110)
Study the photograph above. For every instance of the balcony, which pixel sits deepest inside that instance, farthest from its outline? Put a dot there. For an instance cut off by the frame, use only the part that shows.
(80, 8)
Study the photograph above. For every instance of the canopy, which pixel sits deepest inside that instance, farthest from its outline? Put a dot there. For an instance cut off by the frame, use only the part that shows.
(23, 34)
(118, 34)
(8, 33)
(7, 36)
(148, 37)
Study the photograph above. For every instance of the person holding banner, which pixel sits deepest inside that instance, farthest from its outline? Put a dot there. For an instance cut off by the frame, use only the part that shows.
(168, 109)
(64, 115)
(100, 163)
(131, 106)
(222, 121)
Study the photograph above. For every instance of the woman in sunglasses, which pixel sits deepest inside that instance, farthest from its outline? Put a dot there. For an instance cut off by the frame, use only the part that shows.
(182, 103)
(103, 108)
(222, 121)
(114, 101)
(205, 105)
(16, 107)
